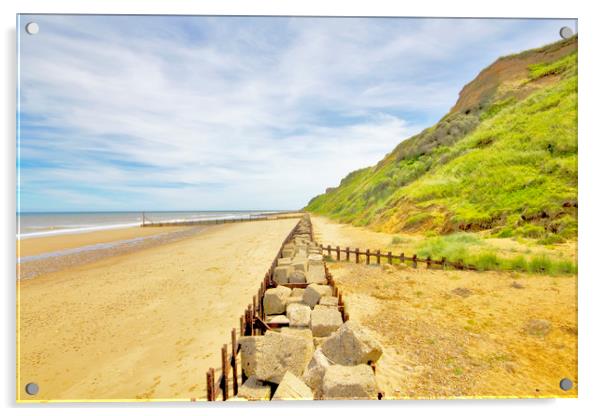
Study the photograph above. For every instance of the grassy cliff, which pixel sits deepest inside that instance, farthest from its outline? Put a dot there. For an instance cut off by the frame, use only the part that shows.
(502, 161)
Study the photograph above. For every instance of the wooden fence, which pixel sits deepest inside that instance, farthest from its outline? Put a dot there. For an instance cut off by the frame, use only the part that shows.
(390, 258)
(253, 322)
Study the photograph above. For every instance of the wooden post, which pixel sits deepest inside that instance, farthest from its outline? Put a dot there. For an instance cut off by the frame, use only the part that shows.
(414, 261)
(209, 394)
(347, 254)
(213, 395)
(378, 257)
(234, 363)
(367, 256)
(338, 253)
(225, 371)
(389, 258)
(428, 262)
(357, 255)
(242, 325)
(329, 250)
(402, 258)
(251, 319)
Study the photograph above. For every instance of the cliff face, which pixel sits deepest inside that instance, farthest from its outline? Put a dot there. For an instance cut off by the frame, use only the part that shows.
(504, 159)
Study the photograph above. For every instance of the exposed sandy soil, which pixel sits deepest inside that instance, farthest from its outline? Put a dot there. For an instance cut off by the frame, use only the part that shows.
(460, 334)
(142, 325)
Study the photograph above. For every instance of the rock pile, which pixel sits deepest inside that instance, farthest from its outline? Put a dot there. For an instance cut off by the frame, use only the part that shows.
(310, 353)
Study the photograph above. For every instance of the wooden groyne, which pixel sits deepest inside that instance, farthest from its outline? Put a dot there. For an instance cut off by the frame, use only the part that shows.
(209, 221)
(308, 324)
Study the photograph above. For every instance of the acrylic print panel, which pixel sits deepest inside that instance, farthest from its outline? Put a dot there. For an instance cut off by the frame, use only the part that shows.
(256, 208)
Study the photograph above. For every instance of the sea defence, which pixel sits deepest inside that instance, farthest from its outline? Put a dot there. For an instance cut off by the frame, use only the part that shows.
(295, 340)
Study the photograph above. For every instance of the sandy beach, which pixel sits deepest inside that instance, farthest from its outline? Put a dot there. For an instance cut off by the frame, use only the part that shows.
(142, 325)
(459, 333)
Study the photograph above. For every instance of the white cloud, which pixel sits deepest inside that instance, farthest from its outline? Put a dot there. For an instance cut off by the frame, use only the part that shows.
(214, 113)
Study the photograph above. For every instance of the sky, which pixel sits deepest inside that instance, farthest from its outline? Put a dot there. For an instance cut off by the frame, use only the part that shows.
(222, 113)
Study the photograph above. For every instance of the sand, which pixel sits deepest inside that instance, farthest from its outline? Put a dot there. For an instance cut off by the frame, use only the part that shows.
(38, 245)
(144, 325)
(459, 333)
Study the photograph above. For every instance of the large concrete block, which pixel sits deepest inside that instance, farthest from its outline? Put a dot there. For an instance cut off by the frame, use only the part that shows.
(300, 263)
(292, 388)
(313, 293)
(349, 382)
(298, 314)
(282, 273)
(298, 332)
(248, 353)
(285, 261)
(253, 389)
(325, 320)
(313, 375)
(315, 259)
(330, 301)
(351, 345)
(297, 276)
(274, 300)
(316, 274)
(298, 291)
(278, 353)
(294, 299)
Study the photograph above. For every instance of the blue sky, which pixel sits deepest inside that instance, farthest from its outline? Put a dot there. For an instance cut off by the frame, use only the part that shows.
(194, 113)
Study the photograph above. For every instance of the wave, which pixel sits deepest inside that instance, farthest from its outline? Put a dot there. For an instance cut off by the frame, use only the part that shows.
(76, 230)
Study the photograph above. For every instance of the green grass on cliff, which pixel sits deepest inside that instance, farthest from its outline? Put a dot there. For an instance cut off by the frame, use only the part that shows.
(510, 169)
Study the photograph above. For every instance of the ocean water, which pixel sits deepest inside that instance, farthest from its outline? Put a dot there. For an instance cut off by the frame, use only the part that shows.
(41, 224)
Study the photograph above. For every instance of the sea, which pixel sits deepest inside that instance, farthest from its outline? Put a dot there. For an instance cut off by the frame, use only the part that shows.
(41, 224)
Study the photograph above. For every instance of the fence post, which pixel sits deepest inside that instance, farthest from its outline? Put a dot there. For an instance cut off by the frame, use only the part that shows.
(378, 257)
(209, 395)
(225, 371)
(389, 258)
(234, 364)
(428, 262)
(414, 261)
(329, 250)
(347, 254)
(357, 255)
(213, 395)
(367, 256)
(338, 253)
(402, 258)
